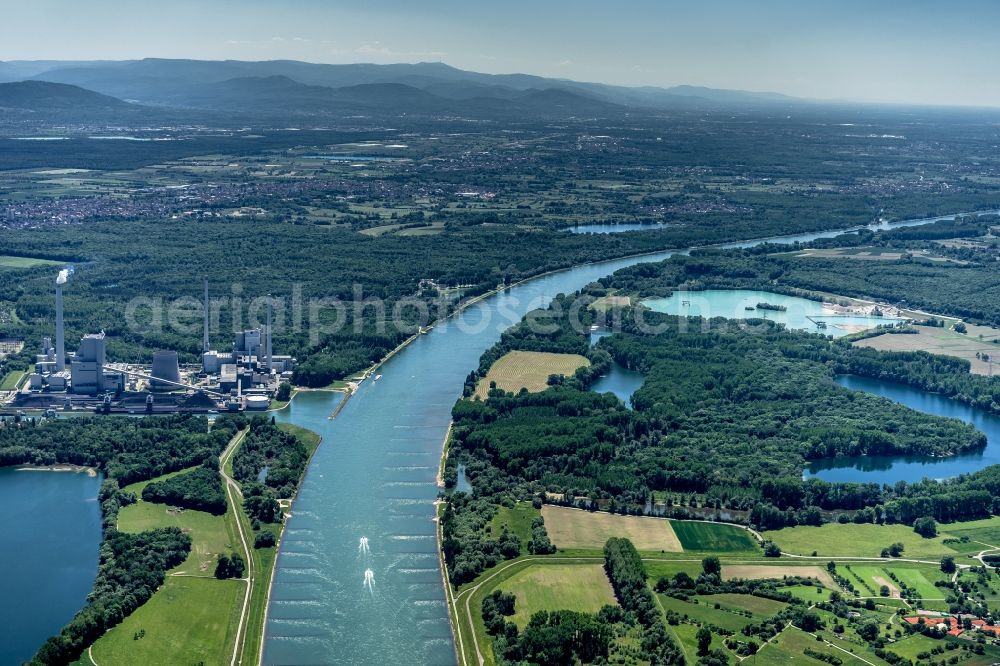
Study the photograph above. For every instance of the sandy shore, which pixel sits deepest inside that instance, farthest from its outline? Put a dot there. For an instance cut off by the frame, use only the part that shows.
(90, 471)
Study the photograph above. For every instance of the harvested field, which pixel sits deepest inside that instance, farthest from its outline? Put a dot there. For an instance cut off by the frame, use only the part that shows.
(523, 369)
(942, 341)
(759, 571)
(573, 528)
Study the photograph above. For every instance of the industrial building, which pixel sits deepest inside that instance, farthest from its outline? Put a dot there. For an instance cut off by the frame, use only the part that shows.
(246, 377)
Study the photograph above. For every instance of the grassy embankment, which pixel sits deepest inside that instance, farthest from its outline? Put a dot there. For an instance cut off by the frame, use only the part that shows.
(11, 380)
(194, 617)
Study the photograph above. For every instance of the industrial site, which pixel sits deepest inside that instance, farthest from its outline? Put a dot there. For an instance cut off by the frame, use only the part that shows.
(244, 377)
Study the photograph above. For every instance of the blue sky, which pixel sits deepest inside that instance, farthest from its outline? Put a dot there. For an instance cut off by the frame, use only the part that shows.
(917, 51)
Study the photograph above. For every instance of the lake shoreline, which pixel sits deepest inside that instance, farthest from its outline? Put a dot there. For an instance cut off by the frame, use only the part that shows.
(75, 469)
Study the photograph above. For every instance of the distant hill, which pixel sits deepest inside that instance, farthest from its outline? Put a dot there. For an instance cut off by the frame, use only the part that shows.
(44, 96)
(219, 84)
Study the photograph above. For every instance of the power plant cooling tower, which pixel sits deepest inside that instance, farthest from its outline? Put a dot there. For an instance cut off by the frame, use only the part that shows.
(165, 366)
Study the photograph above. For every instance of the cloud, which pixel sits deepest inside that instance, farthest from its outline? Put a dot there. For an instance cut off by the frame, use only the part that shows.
(377, 50)
(563, 64)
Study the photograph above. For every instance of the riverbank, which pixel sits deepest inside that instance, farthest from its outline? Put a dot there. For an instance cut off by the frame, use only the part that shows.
(380, 482)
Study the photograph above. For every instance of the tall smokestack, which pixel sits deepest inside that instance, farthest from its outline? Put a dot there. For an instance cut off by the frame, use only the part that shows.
(60, 333)
(268, 348)
(204, 344)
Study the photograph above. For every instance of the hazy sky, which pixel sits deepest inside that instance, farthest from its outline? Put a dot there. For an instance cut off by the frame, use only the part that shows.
(916, 51)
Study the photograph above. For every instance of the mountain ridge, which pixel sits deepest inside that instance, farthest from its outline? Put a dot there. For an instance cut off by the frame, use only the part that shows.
(156, 81)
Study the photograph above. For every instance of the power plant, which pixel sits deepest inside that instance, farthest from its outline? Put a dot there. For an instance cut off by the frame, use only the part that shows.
(244, 378)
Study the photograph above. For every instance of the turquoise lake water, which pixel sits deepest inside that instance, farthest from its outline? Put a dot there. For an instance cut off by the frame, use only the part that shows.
(52, 534)
(800, 314)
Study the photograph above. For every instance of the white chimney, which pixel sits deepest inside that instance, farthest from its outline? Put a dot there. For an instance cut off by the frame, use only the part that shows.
(205, 344)
(268, 348)
(60, 333)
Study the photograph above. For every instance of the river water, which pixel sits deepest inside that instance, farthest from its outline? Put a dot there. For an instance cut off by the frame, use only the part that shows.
(374, 478)
(52, 534)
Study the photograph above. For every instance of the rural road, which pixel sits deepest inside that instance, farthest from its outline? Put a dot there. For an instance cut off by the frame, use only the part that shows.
(233, 494)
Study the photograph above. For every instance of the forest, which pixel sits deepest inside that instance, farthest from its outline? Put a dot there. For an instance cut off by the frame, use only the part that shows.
(124, 449)
(200, 489)
(732, 414)
(654, 174)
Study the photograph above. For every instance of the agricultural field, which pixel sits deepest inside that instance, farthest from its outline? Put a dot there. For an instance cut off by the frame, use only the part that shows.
(871, 254)
(524, 369)
(705, 612)
(608, 302)
(762, 571)
(759, 606)
(188, 621)
(580, 587)
(574, 528)
(714, 537)
(941, 341)
(850, 540)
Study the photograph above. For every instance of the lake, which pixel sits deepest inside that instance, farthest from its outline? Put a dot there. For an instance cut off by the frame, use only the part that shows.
(800, 313)
(621, 381)
(889, 469)
(52, 537)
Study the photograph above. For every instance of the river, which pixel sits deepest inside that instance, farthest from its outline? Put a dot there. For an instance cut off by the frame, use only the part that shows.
(889, 469)
(52, 535)
(374, 477)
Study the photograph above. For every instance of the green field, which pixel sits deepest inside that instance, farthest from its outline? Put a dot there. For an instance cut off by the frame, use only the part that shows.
(187, 621)
(980, 532)
(850, 540)
(209, 534)
(580, 587)
(666, 569)
(526, 369)
(910, 647)
(712, 536)
(790, 646)
(705, 613)
(517, 520)
(809, 593)
(757, 605)
(26, 262)
(11, 380)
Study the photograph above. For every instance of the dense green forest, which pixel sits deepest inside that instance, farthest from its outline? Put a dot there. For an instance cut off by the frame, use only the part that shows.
(732, 414)
(200, 489)
(126, 450)
(307, 242)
